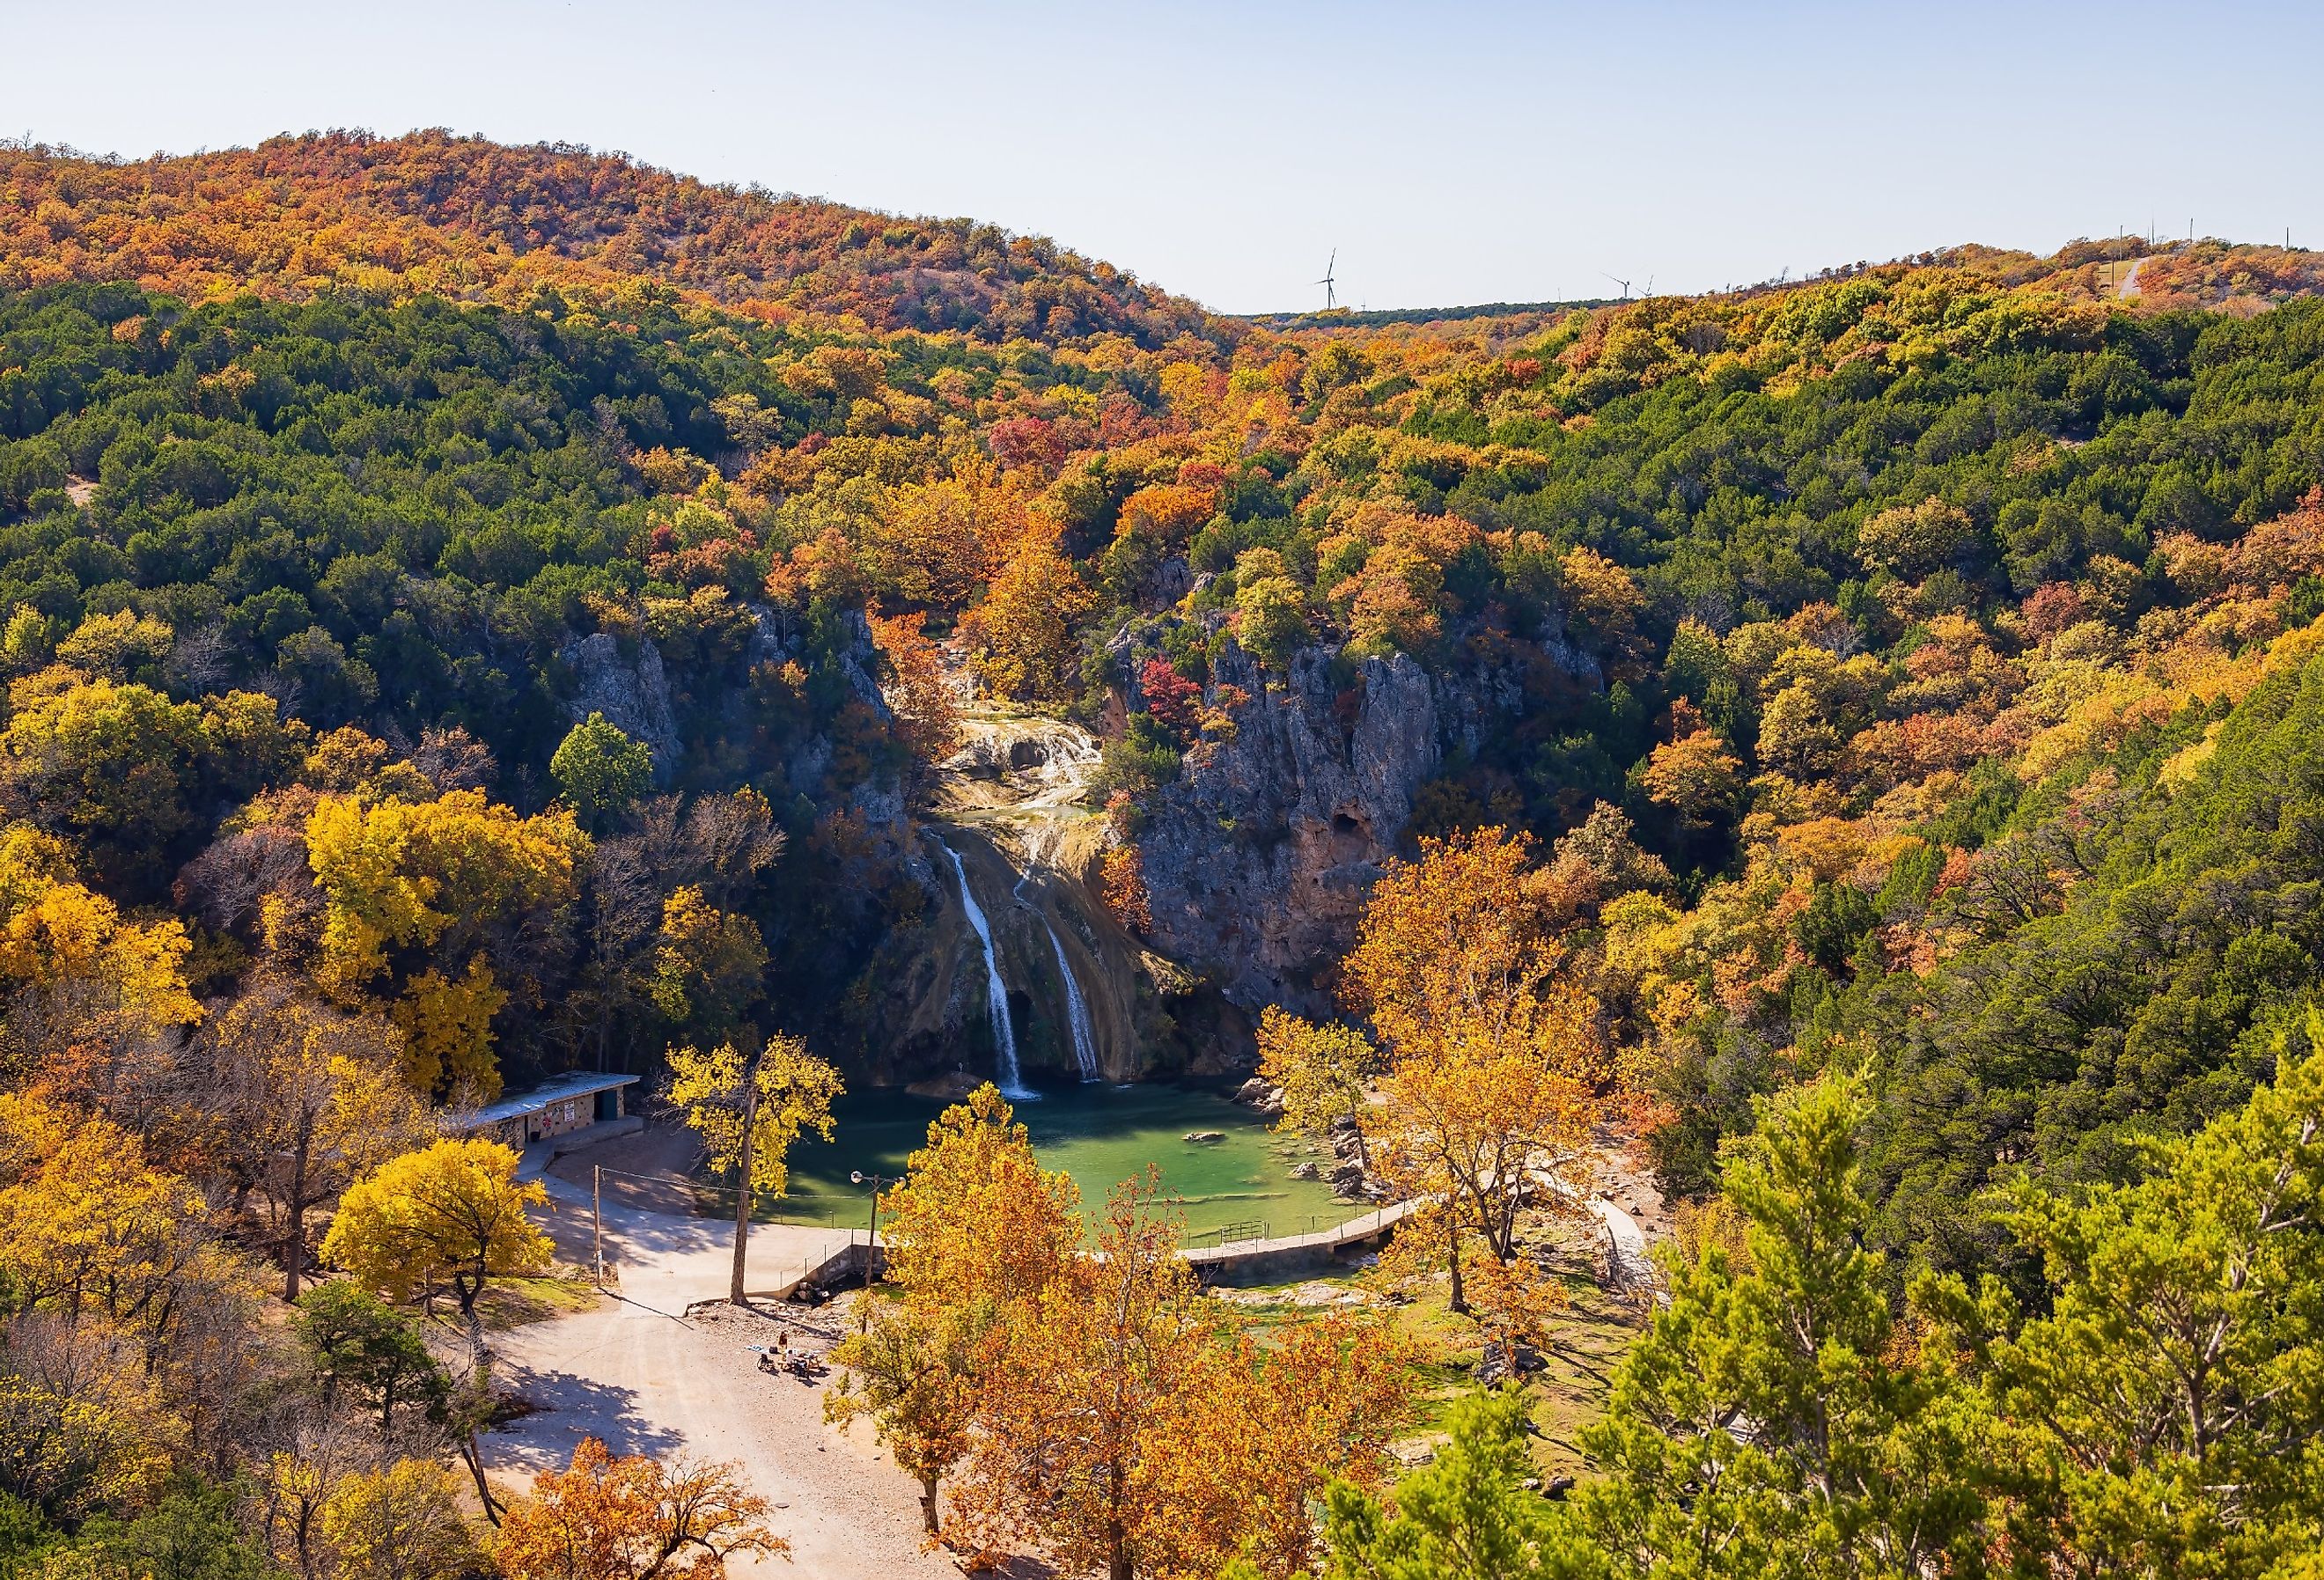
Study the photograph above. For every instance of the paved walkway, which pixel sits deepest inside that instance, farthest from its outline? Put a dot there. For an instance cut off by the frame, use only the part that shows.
(1628, 1265)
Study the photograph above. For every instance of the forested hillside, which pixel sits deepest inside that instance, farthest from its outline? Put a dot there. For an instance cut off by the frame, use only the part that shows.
(1818, 586)
(470, 220)
(474, 612)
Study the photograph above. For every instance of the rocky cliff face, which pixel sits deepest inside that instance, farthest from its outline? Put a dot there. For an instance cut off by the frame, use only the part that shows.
(627, 683)
(630, 684)
(1258, 858)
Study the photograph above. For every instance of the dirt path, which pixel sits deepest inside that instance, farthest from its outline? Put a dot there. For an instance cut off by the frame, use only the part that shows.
(648, 1384)
(641, 1374)
(658, 1254)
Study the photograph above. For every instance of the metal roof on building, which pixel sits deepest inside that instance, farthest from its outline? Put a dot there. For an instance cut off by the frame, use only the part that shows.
(556, 1089)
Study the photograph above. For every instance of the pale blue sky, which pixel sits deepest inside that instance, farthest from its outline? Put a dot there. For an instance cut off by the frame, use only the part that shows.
(1454, 153)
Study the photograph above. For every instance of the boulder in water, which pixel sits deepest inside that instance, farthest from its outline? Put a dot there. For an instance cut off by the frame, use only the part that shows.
(1256, 1093)
(1206, 1138)
(952, 1087)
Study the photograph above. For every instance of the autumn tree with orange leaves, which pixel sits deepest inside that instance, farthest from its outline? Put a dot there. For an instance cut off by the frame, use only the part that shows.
(1088, 1371)
(1022, 634)
(1094, 1406)
(1695, 775)
(927, 714)
(1238, 1468)
(976, 1229)
(632, 1518)
(1122, 1429)
(1491, 1071)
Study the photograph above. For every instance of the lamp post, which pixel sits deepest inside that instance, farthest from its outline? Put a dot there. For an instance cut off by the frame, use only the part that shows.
(879, 1182)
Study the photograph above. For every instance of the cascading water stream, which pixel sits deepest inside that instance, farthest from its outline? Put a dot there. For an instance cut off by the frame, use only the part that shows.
(996, 992)
(1022, 781)
(1077, 1013)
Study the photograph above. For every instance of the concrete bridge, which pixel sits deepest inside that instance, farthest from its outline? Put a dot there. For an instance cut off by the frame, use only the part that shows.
(1265, 1261)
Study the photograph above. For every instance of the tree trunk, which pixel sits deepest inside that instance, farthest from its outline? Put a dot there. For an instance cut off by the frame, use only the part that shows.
(294, 1227)
(303, 1539)
(928, 1502)
(743, 1189)
(467, 1295)
(1453, 1258)
(474, 1455)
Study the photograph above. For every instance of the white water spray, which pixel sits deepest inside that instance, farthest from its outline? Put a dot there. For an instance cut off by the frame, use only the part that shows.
(996, 992)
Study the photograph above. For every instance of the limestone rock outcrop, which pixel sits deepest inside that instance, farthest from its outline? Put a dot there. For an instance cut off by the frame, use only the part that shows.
(627, 683)
(1258, 857)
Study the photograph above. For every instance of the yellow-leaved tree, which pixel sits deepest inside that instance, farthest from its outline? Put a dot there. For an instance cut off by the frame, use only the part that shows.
(102, 1264)
(935, 542)
(976, 1228)
(710, 966)
(87, 1224)
(76, 978)
(1323, 1073)
(1489, 1071)
(434, 876)
(308, 1097)
(455, 1208)
(748, 1113)
(400, 1522)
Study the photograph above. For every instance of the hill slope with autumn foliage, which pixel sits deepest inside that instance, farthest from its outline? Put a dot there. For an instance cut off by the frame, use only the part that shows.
(473, 613)
(489, 451)
(475, 220)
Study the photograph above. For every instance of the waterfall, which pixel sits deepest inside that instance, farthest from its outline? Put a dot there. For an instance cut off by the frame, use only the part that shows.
(1077, 1017)
(1076, 1011)
(996, 992)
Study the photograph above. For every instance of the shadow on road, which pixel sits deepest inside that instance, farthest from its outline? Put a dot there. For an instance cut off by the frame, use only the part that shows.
(566, 1408)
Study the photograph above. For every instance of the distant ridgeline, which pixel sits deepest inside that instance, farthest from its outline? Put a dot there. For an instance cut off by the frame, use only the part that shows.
(1904, 666)
(1379, 318)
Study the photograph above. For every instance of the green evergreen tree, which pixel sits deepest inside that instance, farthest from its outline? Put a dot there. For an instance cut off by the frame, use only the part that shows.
(2165, 1419)
(1469, 1516)
(1772, 1420)
(600, 770)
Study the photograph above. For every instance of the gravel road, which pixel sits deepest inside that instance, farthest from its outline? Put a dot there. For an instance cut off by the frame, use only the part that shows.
(648, 1384)
(645, 1376)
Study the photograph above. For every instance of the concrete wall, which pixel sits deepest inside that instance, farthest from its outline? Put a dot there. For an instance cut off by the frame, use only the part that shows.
(562, 1117)
(1267, 1262)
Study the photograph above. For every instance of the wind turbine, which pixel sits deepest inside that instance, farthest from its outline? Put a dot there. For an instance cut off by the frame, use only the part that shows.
(1621, 281)
(1327, 282)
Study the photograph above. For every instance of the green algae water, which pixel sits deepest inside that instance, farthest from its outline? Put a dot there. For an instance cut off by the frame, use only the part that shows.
(1240, 1186)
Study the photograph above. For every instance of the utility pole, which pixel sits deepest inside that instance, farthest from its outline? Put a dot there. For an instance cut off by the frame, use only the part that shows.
(597, 1218)
(879, 1182)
